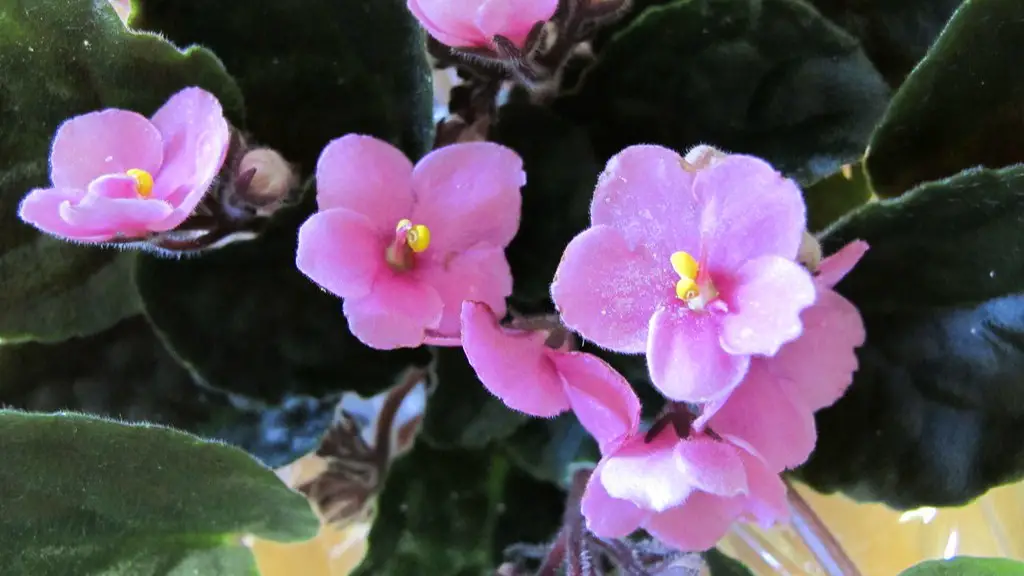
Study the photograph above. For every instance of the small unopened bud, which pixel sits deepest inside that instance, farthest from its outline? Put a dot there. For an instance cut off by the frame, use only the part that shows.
(272, 177)
(700, 157)
(810, 252)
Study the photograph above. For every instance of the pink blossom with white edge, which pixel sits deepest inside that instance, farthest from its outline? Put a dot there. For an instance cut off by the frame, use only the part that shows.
(691, 261)
(405, 245)
(474, 23)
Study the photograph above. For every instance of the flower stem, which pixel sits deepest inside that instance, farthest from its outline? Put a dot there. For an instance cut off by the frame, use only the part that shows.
(818, 537)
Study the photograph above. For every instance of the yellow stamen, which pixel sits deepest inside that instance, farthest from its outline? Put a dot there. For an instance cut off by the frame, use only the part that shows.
(417, 237)
(143, 181)
(686, 289)
(687, 268)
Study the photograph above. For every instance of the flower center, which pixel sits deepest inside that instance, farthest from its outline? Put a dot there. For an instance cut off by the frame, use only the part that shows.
(409, 240)
(693, 289)
(143, 181)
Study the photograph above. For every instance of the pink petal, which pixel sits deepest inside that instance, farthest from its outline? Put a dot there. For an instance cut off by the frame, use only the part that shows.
(607, 292)
(513, 20)
(195, 138)
(601, 398)
(686, 360)
(837, 266)
(765, 304)
(696, 525)
(607, 516)
(395, 314)
(648, 474)
(479, 274)
(818, 367)
(645, 193)
(767, 502)
(711, 466)
(514, 366)
(340, 251)
(110, 141)
(763, 414)
(467, 194)
(111, 206)
(41, 208)
(368, 176)
(451, 22)
(750, 210)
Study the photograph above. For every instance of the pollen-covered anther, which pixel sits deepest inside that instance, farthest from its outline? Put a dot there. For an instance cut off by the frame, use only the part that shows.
(687, 268)
(143, 181)
(416, 236)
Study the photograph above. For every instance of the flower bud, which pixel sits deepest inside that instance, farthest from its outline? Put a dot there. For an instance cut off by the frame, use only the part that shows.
(272, 177)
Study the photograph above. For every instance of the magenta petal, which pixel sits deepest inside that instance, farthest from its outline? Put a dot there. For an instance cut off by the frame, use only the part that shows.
(648, 474)
(837, 266)
(686, 360)
(467, 194)
(711, 466)
(696, 525)
(607, 292)
(514, 366)
(645, 194)
(41, 208)
(818, 367)
(601, 398)
(513, 20)
(479, 274)
(106, 142)
(750, 211)
(368, 176)
(766, 501)
(765, 304)
(340, 251)
(607, 516)
(395, 314)
(450, 22)
(765, 415)
(111, 206)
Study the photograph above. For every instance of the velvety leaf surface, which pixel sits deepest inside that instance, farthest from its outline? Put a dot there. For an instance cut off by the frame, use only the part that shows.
(936, 409)
(835, 196)
(721, 565)
(546, 448)
(771, 78)
(84, 495)
(962, 107)
(58, 59)
(966, 566)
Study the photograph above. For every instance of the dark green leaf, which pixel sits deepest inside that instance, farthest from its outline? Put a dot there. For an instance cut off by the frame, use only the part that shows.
(967, 566)
(58, 59)
(836, 196)
(895, 35)
(721, 565)
(937, 405)
(961, 107)
(83, 495)
(314, 73)
(454, 513)
(547, 448)
(561, 174)
(771, 78)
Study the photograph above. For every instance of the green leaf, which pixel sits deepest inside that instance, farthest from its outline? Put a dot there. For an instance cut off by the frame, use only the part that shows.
(895, 35)
(454, 513)
(90, 496)
(58, 59)
(721, 565)
(960, 108)
(936, 406)
(966, 566)
(547, 448)
(771, 78)
(836, 196)
(315, 73)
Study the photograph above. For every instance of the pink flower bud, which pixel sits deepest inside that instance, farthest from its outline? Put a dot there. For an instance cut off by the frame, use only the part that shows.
(273, 178)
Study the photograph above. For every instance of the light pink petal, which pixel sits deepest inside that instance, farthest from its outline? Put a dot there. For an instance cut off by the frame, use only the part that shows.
(513, 365)
(451, 22)
(837, 266)
(711, 466)
(765, 415)
(696, 525)
(479, 274)
(111, 206)
(607, 516)
(765, 302)
(195, 140)
(686, 360)
(368, 176)
(766, 502)
(395, 314)
(648, 474)
(340, 251)
(106, 142)
(513, 20)
(750, 211)
(41, 208)
(467, 194)
(818, 367)
(607, 292)
(601, 398)
(645, 193)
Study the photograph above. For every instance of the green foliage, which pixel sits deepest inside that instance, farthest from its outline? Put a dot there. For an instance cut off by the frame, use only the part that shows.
(936, 405)
(89, 496)
(835, 196)
(967, 566)
(960, 108)
(771, 78)
(721, 565)
(58, 59)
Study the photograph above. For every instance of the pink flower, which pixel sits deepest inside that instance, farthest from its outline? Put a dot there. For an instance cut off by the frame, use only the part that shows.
(473, 23)
(116, 174)
(692, 261)
(404, 246)
(773, 408)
